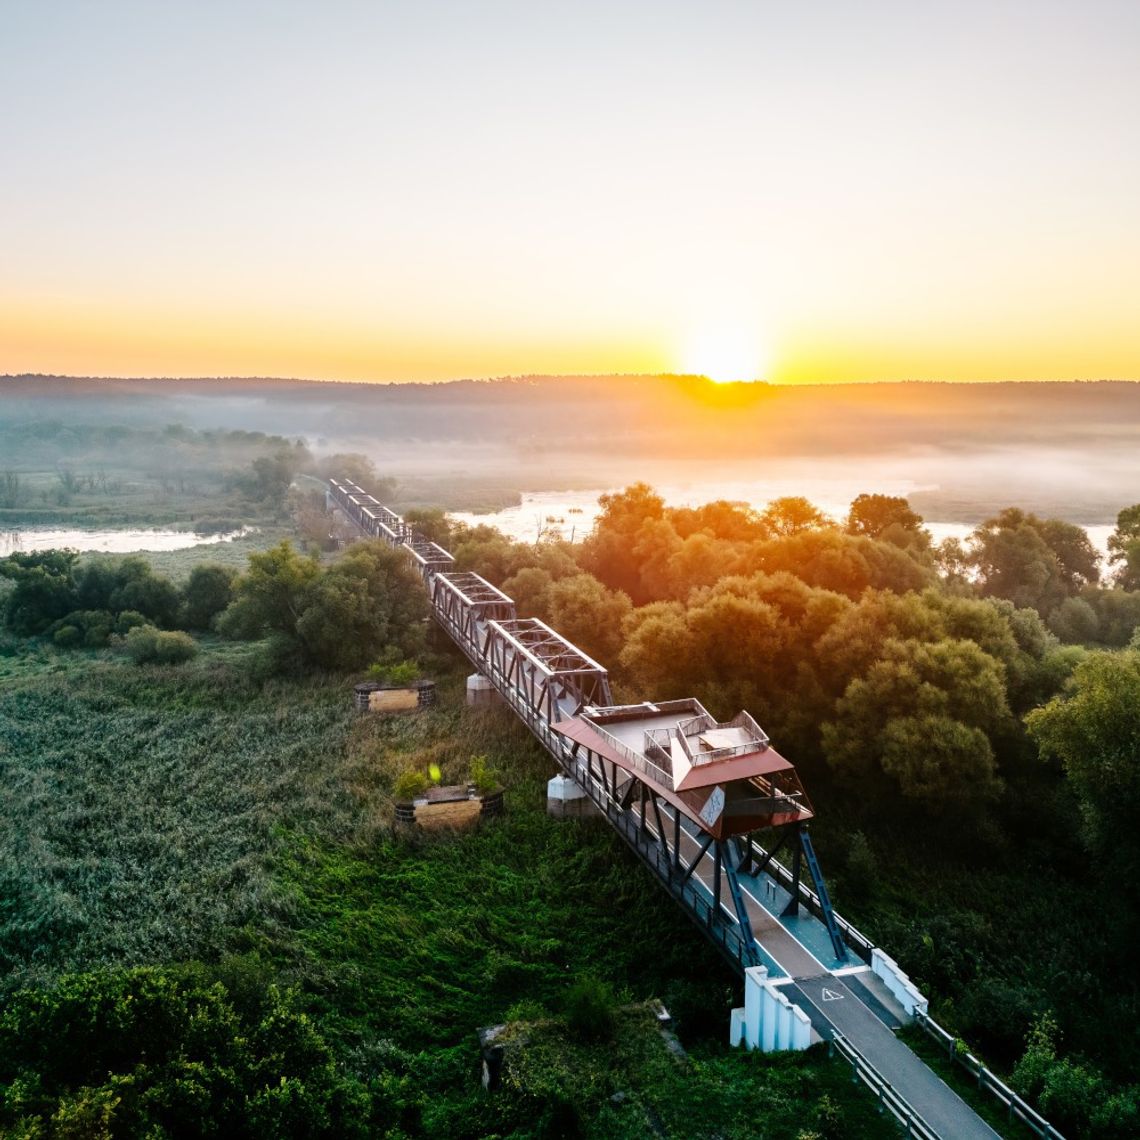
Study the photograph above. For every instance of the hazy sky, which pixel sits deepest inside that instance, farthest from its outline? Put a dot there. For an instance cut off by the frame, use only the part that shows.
(364, 190)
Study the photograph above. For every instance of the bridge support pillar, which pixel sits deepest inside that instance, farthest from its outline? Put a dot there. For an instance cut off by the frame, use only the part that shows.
(565, 798)
(481, 693)
(768, 1021)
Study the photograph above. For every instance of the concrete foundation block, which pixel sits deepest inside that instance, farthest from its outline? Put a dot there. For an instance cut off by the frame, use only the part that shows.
(768, 1021)
(566, 799)
(481, 693)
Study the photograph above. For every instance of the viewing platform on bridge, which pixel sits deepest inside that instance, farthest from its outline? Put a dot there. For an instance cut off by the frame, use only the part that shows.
(724, 776)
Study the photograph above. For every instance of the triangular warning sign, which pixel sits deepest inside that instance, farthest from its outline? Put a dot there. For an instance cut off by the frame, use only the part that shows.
(831, 995)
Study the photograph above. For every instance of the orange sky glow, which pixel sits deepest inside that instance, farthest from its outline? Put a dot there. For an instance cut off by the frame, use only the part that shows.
(446, 190)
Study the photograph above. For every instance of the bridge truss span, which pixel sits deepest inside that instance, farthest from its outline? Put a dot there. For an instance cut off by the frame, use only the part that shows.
(685, 792)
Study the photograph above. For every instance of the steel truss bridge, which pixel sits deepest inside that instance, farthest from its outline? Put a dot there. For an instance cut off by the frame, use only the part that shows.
(754, 909)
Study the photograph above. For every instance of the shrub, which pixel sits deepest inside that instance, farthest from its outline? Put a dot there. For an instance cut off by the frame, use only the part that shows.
(67, 637)
(483, 776)
(409, 784)
(151, 1053)
(145, 644)
(403, 673)
(91, 628)
(128, 620)
(206, 594)
(590, 1009)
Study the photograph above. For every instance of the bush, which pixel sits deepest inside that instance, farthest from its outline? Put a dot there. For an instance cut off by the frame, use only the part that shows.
(402, 673)
(590, 1009)
(145, 644)
(409, 784)
(67, 637)
(483, 776)
(206, 594)
(91, 628)
(151, 1053)
(128, 620)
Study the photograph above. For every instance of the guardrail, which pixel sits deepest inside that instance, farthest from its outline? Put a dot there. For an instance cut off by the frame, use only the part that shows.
(888, 1098)
(854, 938)
(1016, 1107)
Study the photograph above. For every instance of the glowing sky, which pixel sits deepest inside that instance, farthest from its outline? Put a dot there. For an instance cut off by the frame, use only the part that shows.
(365, 190)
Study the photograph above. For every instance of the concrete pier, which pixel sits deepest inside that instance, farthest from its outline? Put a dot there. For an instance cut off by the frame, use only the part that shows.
(481, 693)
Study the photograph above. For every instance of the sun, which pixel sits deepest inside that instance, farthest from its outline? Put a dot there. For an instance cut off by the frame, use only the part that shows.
(725, 354)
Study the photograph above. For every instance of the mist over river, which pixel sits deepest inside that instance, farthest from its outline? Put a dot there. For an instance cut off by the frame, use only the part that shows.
(571, 514)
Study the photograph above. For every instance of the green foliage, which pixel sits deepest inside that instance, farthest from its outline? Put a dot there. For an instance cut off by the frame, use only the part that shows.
(1075, 622)
(410, 784)
(397, 673)
(207, 592)
(485, 778)
(67, 637)
(793, 515)
(1094, 730)
(1032, 562)
(368, 601)
(431, 522)
(146, 1052)
(268, 477)
(589, 1009)
(44, 589)
(128, 620)
(270, 596)
(1124, 548)
(888, 517)
(146, 645)
(1072, 1094)
(919, 717)
(862, 870)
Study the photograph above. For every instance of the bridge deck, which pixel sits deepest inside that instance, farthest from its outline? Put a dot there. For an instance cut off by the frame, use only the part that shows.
(820, 990)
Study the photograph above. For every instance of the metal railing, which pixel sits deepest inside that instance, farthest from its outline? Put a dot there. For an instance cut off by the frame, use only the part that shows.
(1016, 1108)
(886, 1094)
(854, 938)
(757, 738)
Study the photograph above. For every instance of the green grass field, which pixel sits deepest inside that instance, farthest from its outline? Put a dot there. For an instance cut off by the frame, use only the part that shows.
(171, 816)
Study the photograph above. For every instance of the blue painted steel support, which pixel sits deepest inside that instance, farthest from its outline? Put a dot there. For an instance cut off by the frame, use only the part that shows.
(833, 931)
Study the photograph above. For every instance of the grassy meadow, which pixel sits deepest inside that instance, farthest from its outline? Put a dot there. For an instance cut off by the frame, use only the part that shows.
(202, 818)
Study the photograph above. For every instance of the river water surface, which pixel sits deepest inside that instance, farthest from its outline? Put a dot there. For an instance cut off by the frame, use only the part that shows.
(118, 541)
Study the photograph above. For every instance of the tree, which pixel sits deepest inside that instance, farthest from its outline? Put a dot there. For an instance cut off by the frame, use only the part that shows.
(146, 1052)
(44, 589)
(208, 591)
(270, 596)
(919, 719)
(1094, 730)
(589, 615)
(431, 522)
(608, 553)
(530, 591)
(368, 601)
(832, 560)
(888, 517)
(792, 514)
(148, 594)
(733, 522)
(1124, 548)
(1031, 561)
(1075, 622)
(360, 470)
